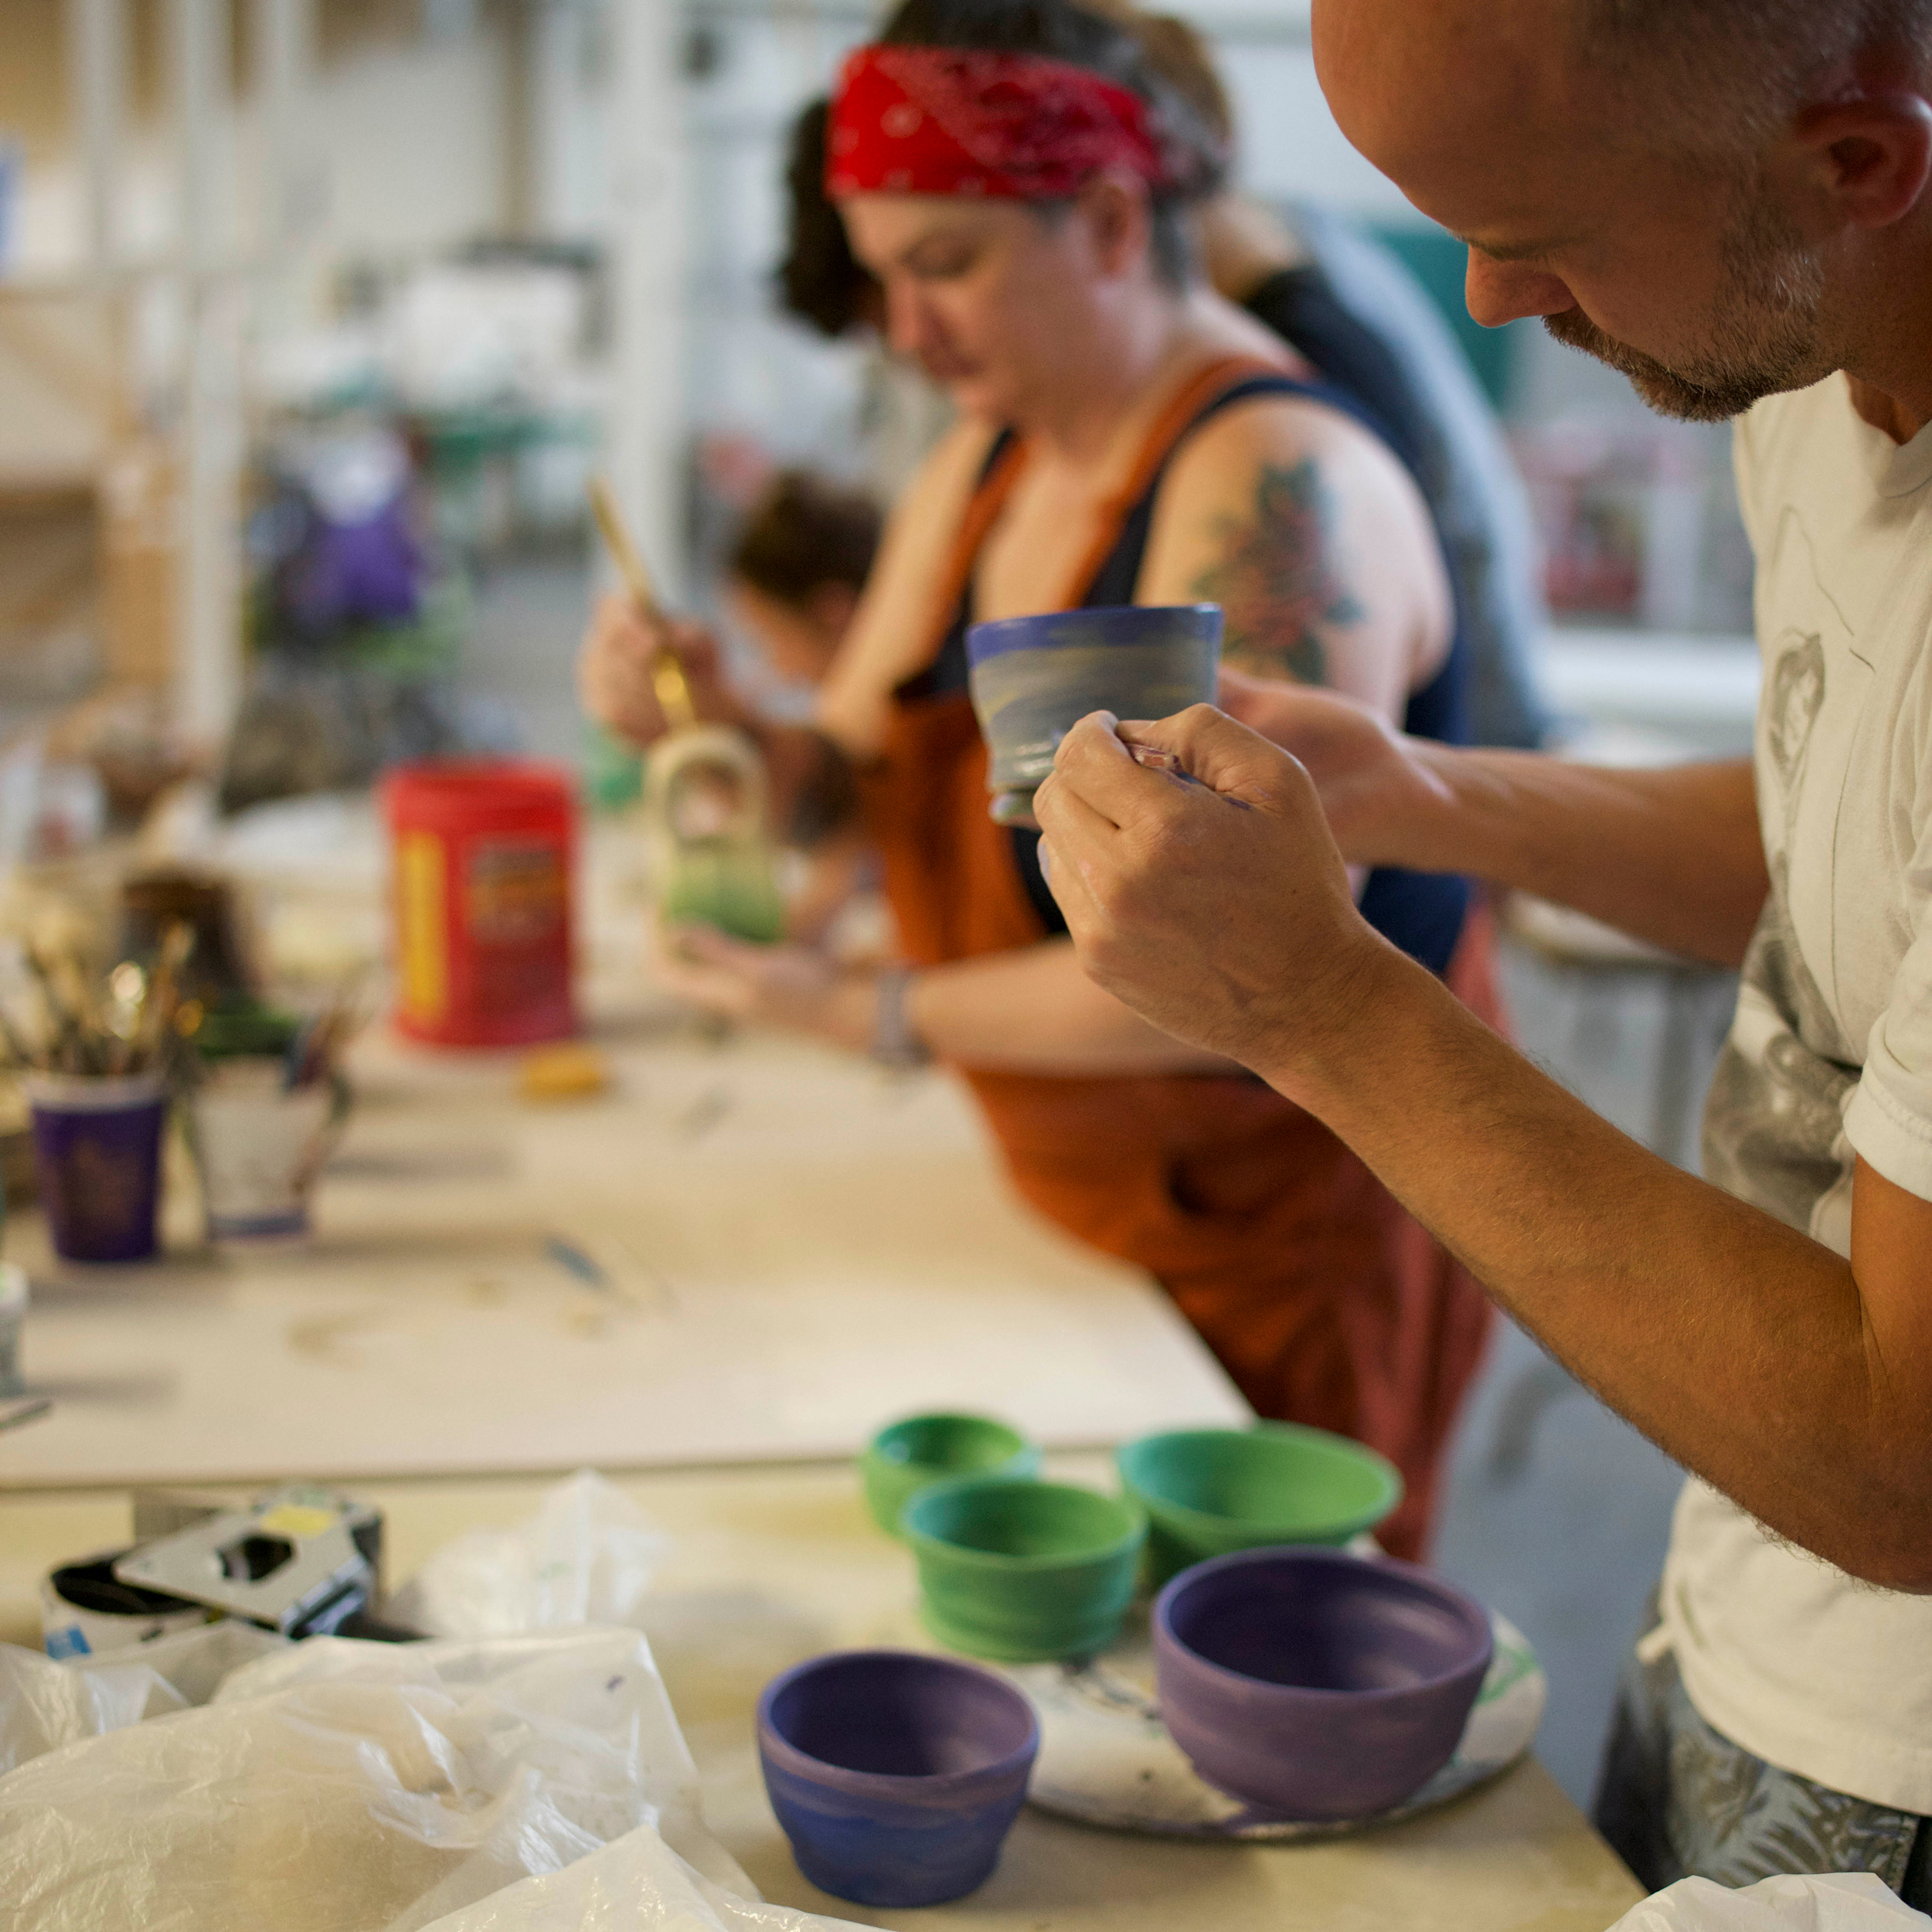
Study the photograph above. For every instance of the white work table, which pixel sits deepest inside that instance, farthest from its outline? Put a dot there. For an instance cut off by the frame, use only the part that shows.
(796, 1247)
(768, 1566)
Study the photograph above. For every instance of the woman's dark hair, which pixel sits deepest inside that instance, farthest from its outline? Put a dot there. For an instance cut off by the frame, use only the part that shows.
(1115, 45)
(820, 279)
(804, 532)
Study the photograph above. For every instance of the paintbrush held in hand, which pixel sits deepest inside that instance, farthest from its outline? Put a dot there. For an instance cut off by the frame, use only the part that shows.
(126, 1023)
(667, 678)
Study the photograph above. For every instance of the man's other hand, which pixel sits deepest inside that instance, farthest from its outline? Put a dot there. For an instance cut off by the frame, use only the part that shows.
(1376, 788)
(1201, 886)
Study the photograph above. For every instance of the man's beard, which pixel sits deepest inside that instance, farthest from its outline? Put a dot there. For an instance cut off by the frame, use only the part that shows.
(1764, 337)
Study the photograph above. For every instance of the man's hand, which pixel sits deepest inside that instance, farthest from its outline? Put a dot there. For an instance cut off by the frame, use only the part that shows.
(1208, 896)
(1377, 786)
(616, 664)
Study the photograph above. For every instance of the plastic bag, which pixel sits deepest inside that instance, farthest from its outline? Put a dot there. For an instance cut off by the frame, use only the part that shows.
(45, 1705)
(586, 1556)
(636, 1884)
(1838, 1902)
(340, 1787)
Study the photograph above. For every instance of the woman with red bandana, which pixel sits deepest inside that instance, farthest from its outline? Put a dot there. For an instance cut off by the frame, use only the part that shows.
(1017, 177)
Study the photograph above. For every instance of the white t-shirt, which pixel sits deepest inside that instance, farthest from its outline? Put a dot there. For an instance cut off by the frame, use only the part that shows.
(1830, 1055)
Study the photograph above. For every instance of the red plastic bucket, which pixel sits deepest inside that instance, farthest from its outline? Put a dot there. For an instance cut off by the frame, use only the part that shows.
(483, 856)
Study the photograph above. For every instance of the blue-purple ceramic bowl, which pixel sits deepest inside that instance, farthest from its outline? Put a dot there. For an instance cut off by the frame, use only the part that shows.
(1033, 678)
(1317, 1684)
(896, 1775)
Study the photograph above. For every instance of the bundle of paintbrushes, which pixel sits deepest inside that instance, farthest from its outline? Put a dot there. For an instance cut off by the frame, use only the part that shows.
(126, 1023)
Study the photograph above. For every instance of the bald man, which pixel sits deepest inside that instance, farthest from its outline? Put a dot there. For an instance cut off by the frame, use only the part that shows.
(1726, 200)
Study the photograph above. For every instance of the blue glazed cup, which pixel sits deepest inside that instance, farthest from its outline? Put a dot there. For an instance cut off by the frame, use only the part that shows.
(1034, 678)
(896, 1775)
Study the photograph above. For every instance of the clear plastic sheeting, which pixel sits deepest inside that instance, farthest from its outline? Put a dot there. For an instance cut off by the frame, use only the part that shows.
(638, 1884)
(334, 1786)
(586, 1556)
(1837, 1902)
(45, 1705)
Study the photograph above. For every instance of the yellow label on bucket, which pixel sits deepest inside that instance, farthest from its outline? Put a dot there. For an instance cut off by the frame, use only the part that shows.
(422, 941)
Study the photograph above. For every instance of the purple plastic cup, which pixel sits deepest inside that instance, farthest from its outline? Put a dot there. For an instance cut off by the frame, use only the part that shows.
(896, 1775)
(1314, 1684)
(96, 1149)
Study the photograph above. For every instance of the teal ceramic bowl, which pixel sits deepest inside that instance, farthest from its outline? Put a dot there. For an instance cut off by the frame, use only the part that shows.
(907, 1457)
(1021, 1572)
(1209, 1492)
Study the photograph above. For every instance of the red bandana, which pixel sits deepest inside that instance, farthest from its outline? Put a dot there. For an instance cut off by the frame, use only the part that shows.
(948, 121)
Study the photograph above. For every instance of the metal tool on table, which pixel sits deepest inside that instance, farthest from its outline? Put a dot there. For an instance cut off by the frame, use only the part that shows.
(301, 1560)
(704, 786)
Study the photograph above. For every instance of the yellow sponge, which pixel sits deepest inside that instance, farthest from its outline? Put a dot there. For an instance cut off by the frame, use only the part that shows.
(571, 1072)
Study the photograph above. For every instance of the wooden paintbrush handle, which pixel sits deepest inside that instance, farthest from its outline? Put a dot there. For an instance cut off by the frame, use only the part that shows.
(667, 679)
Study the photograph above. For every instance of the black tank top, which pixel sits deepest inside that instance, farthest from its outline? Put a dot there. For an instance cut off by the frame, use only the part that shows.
(1423, 912)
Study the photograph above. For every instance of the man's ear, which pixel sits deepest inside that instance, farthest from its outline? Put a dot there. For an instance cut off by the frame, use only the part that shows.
(1114, 207)
(1872, 155)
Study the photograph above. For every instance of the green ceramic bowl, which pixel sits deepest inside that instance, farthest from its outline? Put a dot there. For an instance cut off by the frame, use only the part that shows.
(1209, 1491)
(1023, 1571)
(910, 1456)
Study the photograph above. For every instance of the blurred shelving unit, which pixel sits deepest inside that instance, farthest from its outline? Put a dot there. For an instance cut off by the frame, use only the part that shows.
(217, 171)
(133, 357)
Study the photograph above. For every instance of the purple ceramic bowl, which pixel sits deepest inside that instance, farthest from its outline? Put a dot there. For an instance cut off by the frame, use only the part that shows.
(1314, 1684)
(895, 1774)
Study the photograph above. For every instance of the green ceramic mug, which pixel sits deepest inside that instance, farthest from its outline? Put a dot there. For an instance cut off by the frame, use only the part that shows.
(908, 1456)
(1020, 1571)
(1208, 1492)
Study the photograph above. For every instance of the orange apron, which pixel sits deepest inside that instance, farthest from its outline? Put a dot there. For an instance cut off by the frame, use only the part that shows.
(1325, 1302)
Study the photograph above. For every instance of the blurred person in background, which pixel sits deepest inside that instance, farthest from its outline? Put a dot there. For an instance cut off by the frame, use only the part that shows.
(796, 569)
(1125, 436)
(792, 581)
(1328, 289)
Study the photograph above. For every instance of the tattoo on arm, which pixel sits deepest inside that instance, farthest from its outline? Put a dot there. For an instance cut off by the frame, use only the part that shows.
(1275, 578)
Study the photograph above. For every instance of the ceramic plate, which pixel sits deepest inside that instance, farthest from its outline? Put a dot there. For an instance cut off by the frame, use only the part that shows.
(1106, 1758)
